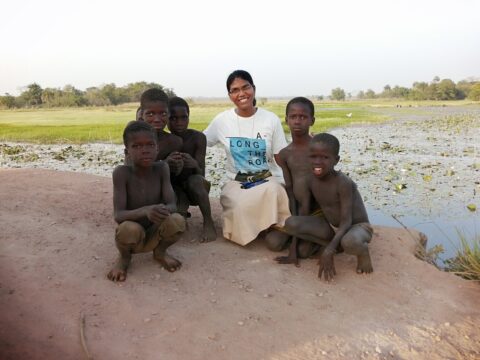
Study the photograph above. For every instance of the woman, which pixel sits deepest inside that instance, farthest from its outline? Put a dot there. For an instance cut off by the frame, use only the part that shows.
(254, 198)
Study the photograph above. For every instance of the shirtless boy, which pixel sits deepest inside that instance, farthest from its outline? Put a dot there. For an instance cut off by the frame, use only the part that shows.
(190, 184)
(295, 163)
(144, 203)
(154, 104)
(342, 207)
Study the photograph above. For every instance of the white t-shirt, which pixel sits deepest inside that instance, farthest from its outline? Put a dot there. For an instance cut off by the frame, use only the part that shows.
(252, 140)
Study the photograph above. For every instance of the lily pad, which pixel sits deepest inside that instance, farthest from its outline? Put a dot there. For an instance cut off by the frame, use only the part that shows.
(472, 207)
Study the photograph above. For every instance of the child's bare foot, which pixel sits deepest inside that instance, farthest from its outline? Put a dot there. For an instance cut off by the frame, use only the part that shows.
(364, 263)
(168, 262)
(209, 232)
(119, 271)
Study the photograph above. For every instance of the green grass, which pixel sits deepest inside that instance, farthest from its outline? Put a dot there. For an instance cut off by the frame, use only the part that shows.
(105, 124)
(467, 261)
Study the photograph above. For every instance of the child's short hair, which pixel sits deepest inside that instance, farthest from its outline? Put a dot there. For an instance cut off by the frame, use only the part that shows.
(329, 140)
(136, 127)
(177, 101)
(153, 94)
(301, 100)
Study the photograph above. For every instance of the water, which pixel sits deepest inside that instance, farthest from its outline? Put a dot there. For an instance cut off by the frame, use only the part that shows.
(443, 230)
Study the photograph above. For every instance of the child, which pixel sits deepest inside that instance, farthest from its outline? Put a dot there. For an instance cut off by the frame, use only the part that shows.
(154, 104)
(190, 184)
(138, 114)
(144, 203)
(342, 206)
(294, 161)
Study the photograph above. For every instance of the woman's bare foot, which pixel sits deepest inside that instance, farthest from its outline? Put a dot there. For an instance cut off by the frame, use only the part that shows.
(119, 271)
(209, 232)
(168, 262)
(364, 263)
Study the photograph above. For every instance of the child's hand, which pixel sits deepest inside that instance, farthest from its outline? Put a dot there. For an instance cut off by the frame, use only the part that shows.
(157, 213)
(327, 266)
(189, 161)
(175, 162)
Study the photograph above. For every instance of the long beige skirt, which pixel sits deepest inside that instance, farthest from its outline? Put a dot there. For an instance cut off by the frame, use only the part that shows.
(246, 212)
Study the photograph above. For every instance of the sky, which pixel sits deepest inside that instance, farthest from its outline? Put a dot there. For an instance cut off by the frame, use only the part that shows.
(291, 48)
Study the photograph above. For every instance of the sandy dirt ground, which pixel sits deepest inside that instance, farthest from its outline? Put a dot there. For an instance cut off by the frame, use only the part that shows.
(226, 302)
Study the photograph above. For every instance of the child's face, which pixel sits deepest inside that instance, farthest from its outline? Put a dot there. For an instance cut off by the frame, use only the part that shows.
(322, 159)
(142, 148)
(299, 119)
(178, 121)
(156, 114)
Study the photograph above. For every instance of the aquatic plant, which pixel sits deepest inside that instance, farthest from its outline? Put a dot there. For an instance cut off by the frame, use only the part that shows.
(467, 261)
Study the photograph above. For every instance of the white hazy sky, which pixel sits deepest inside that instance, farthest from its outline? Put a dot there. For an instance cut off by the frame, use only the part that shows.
(291, 48)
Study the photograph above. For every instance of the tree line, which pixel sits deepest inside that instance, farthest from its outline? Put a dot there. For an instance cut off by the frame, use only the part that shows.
(437, 89)
(109, 94)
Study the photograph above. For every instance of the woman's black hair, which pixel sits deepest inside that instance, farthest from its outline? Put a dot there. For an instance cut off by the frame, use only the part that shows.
(244, 75)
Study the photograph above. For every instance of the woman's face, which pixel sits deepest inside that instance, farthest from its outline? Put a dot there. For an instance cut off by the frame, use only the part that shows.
(242, 93)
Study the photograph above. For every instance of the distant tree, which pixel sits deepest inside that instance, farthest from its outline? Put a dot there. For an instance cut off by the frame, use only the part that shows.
(370, 94)
(361, 94)
(446, 90)
(399, 92)
(7, 101)
(464, 87)
(387, 92)
(263, 100)
(32, 96)
(94, 97)
(72, 96)
(110, 92)
(419, 91)
(338, 94)
(474, 93)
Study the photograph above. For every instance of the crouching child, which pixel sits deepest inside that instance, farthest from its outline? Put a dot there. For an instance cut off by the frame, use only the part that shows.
(144, 203)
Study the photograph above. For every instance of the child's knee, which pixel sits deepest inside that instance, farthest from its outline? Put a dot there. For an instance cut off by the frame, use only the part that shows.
(276, 240)
(305, 249)
(198, 188)
(172, 225)
(353, 245)
(129, 233)
(292, 225)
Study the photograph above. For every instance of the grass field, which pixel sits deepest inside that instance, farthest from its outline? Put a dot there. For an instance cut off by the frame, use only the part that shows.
(105, 124)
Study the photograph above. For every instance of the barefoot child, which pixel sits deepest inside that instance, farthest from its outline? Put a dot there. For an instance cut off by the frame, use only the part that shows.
(295, 164)
(154, 104)
(190, 184)
(143, 203)
(342, 206)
